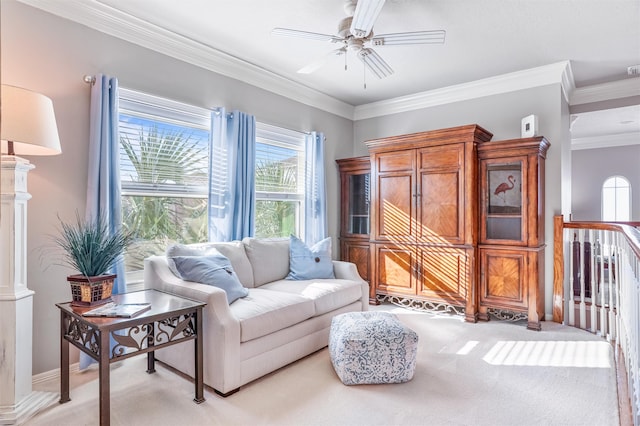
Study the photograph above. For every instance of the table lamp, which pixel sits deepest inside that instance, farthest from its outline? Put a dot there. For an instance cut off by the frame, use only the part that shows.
(28, 123)
(28, 127)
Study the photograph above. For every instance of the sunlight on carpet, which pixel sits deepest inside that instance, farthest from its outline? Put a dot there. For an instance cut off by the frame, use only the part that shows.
(550, 354)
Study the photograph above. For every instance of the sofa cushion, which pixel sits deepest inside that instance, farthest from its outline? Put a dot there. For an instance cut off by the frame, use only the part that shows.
(213, 269)
(327, 295)
(233, 250)
(269, 258)
(265, 311)
(308, 263)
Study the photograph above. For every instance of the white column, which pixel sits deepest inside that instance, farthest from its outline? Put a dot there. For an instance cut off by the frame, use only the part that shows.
(17, 400)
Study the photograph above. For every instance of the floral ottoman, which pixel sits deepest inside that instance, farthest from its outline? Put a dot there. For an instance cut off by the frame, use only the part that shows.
(372, 348)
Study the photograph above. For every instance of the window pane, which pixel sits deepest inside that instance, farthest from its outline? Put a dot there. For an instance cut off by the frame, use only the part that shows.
(276, 218)
(159, 156)
(164, 156)
(159, 221)
(280, 165)
(277, 169)
(608, 204)
(622, 204)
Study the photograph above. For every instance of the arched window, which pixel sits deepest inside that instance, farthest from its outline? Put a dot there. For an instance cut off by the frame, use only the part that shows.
(616, 199)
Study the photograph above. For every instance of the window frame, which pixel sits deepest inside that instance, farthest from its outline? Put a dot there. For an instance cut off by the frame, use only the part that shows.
(289, 139)
(616, 188)
(168, 112)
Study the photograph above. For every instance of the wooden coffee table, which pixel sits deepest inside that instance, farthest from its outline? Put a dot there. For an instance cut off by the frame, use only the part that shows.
(171, 320)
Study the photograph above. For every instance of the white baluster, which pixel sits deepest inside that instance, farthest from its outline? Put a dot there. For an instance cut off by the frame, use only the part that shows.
(583, 306)
(570, 236)
(601, 286)
(592, 283)
(613, 278)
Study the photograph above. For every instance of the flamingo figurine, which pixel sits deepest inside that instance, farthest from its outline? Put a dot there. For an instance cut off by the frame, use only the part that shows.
(504, 187)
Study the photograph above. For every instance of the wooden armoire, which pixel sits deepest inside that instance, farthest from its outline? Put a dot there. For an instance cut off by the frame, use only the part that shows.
(449, 219)
(424, 216)
(511, 243)
(355, 202)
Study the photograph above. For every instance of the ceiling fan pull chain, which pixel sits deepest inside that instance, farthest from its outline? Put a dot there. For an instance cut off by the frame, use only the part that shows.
(364, 76)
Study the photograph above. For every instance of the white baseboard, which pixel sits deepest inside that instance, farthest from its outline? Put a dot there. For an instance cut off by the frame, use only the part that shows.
(53, 374)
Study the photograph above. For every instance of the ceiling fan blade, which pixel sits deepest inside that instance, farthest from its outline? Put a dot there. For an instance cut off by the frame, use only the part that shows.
(375, 63)
(365, 16)
(287, 32)
(415, 37)
(313, 66)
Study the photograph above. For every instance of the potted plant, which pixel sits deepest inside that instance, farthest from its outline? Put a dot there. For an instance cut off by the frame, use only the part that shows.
(92, 249)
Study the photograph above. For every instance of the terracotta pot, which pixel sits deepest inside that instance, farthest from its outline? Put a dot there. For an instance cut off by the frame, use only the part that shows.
(91, 291)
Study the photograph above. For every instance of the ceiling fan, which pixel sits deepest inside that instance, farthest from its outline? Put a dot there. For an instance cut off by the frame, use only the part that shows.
(355, 33)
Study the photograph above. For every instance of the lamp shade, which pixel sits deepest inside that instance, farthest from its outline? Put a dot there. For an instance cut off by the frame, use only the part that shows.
(27, 119)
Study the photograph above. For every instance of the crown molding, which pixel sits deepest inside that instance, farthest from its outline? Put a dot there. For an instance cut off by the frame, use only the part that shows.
(603, 92)
(558, 73)
(113, 22)
(605, 141)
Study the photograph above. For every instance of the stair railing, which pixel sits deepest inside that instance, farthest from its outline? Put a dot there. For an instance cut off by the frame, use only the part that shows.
(597, 288)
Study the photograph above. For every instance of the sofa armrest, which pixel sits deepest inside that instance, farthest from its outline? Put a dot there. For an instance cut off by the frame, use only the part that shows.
(158, 276)
(349, 271)
(346, 270)
(220, 327)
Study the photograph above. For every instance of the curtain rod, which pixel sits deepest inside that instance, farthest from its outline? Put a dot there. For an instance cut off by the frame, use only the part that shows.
(89, 79)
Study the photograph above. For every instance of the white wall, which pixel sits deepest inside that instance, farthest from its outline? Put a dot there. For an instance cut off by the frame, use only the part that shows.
(591, 167)
(51, 55)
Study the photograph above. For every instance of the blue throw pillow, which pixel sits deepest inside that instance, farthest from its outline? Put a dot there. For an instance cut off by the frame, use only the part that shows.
(213, 269)
(309, 263)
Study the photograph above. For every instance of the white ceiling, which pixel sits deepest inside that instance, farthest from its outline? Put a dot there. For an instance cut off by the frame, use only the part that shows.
(484, 38)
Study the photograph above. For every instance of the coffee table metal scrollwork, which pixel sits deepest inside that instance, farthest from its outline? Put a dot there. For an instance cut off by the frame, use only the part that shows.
(171, 320)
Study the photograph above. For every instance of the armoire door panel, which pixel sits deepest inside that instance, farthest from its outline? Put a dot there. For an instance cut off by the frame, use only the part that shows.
(502, 281)
(395, 206)
(396, 162)
(359, 254)
(438, 158)
(395, 269)
(440, 218)
(443, 275)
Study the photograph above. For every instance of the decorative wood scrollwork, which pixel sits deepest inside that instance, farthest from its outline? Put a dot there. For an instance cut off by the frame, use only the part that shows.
(421, 305)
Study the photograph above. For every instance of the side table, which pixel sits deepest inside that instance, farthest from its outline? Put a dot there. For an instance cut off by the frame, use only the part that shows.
(171, 320)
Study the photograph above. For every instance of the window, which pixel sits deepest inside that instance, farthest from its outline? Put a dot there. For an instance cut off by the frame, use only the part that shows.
(164, 159)
(616, 199)
(164, 154)
(280, 166)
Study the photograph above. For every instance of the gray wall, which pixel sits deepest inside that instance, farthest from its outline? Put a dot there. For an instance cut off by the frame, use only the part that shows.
(590, 168)
(51, 55)
(501, 115)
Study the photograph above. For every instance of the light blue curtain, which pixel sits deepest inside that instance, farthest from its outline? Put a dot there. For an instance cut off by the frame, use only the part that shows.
(103, 181)
(232, 176)
(315, 228)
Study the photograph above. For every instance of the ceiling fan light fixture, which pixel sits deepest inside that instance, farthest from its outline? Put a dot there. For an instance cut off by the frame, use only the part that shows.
(375, 63)
(365, 16)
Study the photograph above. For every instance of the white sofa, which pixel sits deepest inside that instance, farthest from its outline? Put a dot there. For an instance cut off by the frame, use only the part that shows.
(279, 322)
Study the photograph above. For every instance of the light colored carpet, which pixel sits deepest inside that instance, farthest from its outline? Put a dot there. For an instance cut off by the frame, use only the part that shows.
(494, 373)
